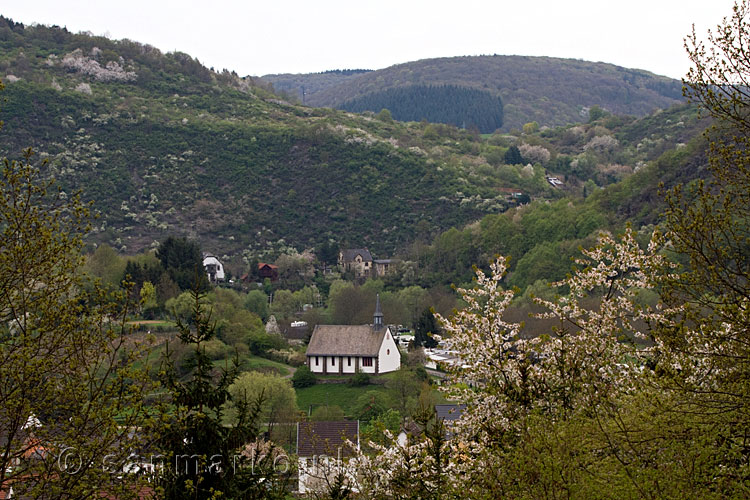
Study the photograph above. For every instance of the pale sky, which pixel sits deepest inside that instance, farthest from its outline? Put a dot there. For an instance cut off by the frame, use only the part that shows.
(293, 36)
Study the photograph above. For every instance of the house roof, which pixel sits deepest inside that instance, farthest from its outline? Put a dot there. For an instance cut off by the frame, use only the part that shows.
(449, 412)
(326, 438)
(345, 340)
(351, 253)
(411, 428)
(261, 265)
(296, 333)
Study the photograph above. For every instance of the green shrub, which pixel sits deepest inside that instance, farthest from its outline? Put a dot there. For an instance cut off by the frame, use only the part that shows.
(303, 377)
(359, 379)
(369, 405)
(420, 373)
(215, 349)
(286, 356)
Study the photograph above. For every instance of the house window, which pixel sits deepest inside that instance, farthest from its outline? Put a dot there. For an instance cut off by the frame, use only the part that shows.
(333, 361)
(349, 361)
(316, 361)
(387, 352)
(366, 361)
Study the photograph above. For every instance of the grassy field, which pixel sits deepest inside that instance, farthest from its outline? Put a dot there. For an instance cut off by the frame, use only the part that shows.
(256, 363)
(153, 322)
(333, 394)
(154, 325)
(247, 362)
(345, 396)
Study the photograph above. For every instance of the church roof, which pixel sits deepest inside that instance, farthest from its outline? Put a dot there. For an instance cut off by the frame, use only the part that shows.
(345, 340)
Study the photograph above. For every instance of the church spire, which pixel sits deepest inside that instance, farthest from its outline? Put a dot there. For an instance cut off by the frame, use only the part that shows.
(377, 318)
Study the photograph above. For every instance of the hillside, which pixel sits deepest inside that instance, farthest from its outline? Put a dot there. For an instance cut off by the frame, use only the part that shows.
(163, 146)
(550, 91)
(627, 163)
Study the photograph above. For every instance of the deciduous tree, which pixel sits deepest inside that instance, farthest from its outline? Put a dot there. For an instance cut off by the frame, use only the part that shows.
(70, 395)
(279, 401)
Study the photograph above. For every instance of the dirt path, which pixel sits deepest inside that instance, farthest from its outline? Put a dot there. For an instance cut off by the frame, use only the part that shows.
(291, 372)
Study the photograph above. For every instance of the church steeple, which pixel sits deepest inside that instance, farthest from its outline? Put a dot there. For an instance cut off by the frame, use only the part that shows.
(377, 318)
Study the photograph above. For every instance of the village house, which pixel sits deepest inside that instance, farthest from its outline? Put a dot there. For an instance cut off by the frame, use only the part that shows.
(441, 359)
(214, 268)
(343, 349)
(323, 452)
(356, 260)
(383, 266)
(268, 271)
(448, 414)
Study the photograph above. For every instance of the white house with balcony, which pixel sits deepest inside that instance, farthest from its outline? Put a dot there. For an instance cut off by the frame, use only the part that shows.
(214, 268)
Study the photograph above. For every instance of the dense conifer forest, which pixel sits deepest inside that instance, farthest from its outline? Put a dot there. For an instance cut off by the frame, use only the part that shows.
(457, 106)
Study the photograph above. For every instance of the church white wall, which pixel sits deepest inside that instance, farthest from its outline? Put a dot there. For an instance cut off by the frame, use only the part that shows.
(389, 355)
(332, 363)
(347, 368)
(319, 367)
(367, 369)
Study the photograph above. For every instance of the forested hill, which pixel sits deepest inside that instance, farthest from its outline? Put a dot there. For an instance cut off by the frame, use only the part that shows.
(550, 91)
(164, 146)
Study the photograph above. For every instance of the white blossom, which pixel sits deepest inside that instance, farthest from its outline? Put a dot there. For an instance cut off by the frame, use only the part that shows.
(84, 88)
(534, 154)
(77, 62)
(504, 378)
(602, 144)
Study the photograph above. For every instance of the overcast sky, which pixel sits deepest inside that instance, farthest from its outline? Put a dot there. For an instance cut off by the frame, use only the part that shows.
(257, 38)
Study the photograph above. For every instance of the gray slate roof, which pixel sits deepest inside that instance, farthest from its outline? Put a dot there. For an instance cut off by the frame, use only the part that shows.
(350, 253)
(450, 411)
(345, 340)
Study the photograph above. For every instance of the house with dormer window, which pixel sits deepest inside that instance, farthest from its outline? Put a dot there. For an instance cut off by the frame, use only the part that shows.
(357, 260)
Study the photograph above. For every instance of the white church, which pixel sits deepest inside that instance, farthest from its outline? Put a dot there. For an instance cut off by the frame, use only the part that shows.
(342, 349)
